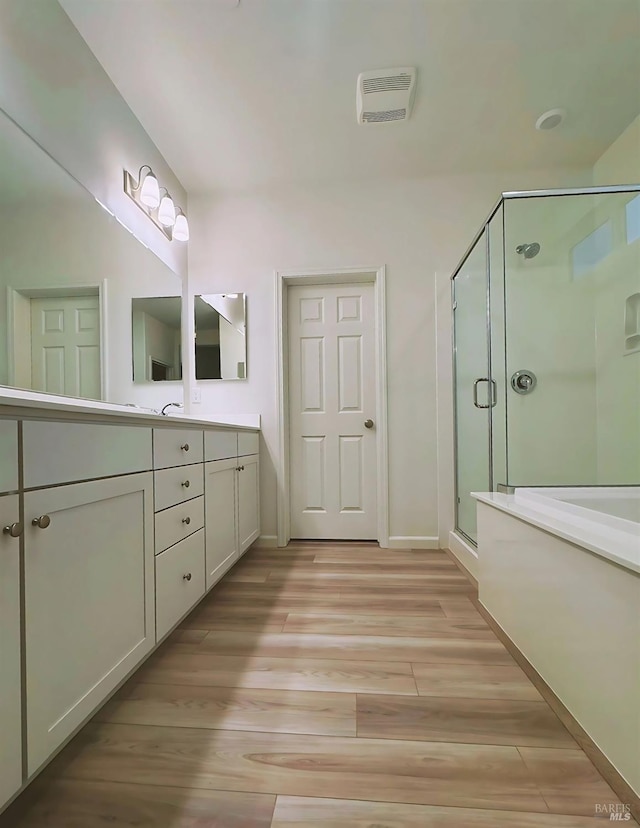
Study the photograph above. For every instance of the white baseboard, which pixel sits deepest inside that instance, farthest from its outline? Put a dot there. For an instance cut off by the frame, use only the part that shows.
(464, 552)
(267, 542)
(413, 542)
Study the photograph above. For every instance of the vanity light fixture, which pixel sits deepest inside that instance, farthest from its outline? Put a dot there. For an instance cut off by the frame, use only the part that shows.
(146, 193)
(181, 227)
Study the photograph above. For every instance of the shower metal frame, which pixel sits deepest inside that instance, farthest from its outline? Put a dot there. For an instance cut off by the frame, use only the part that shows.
(484, 228)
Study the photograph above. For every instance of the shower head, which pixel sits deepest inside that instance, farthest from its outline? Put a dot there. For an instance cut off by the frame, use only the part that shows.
(529, 251)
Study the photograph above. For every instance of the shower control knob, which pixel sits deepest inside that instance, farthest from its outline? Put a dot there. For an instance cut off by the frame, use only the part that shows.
(523, 382)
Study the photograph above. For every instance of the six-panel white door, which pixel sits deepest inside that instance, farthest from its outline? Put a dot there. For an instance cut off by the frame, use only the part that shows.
(332, 394)
(65, 346)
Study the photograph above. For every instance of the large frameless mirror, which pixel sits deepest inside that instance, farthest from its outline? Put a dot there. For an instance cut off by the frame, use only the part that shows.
(68, 271)
(156, 338)
(221, 336)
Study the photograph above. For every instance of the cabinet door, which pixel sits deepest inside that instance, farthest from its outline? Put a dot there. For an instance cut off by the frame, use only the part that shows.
(248, 501)
(8, 455)
(10, 705)
(221, 544)
(89, 600)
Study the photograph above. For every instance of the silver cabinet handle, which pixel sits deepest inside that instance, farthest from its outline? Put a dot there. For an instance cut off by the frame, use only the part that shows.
(186, 520)
(185, 447)
(14, 530)
(368, 423)
(41, 522)
(494, 392)
(186, 577)
(185, 483)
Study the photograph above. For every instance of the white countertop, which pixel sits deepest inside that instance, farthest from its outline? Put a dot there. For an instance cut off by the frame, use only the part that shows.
(620, 547)
(16, 398)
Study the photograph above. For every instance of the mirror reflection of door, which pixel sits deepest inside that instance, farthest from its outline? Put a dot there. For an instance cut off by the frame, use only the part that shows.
(221, 343)
(55, 342)
(157, 338)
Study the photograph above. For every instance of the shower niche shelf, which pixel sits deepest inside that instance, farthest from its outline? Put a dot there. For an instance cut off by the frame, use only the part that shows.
(632, 324)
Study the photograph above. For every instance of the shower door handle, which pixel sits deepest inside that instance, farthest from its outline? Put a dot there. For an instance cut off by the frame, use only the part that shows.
(494, 394)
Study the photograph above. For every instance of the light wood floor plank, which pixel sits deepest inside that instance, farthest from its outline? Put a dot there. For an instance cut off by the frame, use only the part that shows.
(400, 625)
(382, 770)
(233, 708)
(237, 617)
(358, 604)
(472, 721)
(303, 812)
(330, 675)
(480, 681)
(68, 803)
(367, 647)
(568, 781)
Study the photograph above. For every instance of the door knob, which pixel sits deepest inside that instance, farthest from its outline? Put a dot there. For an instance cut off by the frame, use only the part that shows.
(368, 423)
(41, 522)
(14, 530)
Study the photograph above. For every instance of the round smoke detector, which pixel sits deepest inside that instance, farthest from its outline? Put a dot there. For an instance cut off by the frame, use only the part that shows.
(550, 119)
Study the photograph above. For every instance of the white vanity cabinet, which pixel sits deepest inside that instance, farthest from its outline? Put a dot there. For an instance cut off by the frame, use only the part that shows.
(89, 600)
(10, 684)
(232, 507)
(109, 535)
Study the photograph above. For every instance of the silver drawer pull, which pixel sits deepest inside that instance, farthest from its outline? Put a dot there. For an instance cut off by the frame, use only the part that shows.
(14, 530)
(186, 484)
(185, 447)
(186, 520)
(41, 522)
(186, 577)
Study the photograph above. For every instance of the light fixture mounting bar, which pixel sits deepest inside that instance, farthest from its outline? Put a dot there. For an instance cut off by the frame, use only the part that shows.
(132, 189)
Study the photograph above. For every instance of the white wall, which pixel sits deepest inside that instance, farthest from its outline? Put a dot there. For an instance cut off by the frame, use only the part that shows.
(620, 164)
(415, 228)
(56, 90)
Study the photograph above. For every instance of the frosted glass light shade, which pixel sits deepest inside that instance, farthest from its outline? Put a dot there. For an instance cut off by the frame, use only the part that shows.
(167, 212)
(181, 228)
(150, 192)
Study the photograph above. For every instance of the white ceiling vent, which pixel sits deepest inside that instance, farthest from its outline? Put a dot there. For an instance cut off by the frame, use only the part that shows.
(385, 95)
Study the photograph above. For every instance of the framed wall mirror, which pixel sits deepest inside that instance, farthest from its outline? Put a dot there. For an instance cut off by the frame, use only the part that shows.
(156, 334)
(68, 272)
(221, 336)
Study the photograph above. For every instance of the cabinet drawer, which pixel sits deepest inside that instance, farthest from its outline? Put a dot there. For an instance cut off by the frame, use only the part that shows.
(8, 455)
(220, 444)
(176, 447)
(173, 486)
(179, 581)
(176, 523)
(66, 452)
(248, 443)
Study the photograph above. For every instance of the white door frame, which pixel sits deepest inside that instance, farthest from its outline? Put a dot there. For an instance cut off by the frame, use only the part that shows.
(332, 276)
(98, 289)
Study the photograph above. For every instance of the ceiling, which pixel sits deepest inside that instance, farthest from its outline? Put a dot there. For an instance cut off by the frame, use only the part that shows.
(262, 94)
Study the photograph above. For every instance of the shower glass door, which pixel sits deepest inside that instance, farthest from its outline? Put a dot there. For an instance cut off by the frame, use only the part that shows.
(474, 390)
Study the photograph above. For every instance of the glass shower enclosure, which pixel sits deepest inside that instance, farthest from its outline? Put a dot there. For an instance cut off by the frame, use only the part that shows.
(547, 345)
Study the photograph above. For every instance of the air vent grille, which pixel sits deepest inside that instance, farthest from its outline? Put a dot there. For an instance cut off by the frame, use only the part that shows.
(389, 115)
(391, 83)
(385, 95)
